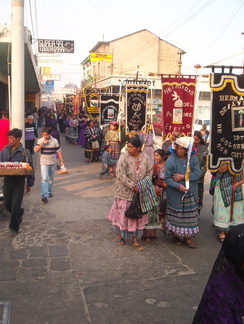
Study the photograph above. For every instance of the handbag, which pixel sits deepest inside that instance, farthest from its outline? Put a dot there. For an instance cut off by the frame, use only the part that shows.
(134, 210)
(95, 145)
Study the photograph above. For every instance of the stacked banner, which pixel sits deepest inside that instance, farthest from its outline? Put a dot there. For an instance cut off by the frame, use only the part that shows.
(136, 104)
(227, 121)
(109, 108)
(178, 96)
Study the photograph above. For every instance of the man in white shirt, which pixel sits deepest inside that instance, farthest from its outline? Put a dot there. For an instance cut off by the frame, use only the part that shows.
(48, 146)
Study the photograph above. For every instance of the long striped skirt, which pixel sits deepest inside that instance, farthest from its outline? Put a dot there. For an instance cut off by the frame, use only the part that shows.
(182, 218)
(74, 133)
(114, 155)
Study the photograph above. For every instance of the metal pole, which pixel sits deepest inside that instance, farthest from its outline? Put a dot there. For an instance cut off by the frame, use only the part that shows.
(17, 66)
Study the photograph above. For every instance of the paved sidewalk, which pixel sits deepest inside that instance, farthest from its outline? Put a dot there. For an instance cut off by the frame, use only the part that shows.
(65, 266)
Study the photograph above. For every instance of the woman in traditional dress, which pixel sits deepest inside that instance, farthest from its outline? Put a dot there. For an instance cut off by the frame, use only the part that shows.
(90, 135)
(148, 143)
(160, 184)
(182, 211)
(51, 122)
(112, 139)
(73, 128)
(223, 219)
(201, 152)
(156, 216)
(133, 166)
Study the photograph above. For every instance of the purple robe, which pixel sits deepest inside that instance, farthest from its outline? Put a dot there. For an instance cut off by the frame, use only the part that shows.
(82, 139)
(223, 299)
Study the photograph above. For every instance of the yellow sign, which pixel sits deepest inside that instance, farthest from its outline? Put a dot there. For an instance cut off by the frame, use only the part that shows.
(46, 70)
(100, 57)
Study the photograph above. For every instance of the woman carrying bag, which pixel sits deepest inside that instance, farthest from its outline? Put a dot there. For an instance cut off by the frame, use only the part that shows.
(133, 166)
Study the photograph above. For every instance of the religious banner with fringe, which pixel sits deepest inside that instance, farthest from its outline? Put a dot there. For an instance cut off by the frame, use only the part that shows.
(109, 108)
(178, 97)
(92, 102)
(136, 107)
(227, 121)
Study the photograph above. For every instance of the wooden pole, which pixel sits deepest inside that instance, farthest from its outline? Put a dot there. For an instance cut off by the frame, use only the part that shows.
(232, 199)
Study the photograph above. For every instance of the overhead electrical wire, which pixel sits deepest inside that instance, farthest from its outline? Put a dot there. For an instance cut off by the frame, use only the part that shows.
(187, 19)
(223, 29)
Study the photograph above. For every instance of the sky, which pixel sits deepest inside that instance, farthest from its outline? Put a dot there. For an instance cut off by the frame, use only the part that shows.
(209, 31)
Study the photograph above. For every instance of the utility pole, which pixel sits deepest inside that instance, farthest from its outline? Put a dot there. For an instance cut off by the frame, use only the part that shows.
(17, 66)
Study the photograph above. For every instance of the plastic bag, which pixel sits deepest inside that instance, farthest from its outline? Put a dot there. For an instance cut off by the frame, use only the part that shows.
(134, 210)
(63, 170)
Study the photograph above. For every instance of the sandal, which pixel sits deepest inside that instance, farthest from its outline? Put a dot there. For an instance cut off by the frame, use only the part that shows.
(120, 240)
(189, 243)
(221, 237)
(137, 246)
(147, 239)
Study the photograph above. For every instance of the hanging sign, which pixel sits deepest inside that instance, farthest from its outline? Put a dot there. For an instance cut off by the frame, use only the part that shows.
(55, 46)
(136, 104)
(100, 57)
(178, 96)
(227, 121)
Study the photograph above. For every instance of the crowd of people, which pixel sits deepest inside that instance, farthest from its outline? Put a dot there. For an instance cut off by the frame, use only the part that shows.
(155, 190)
(176, 175)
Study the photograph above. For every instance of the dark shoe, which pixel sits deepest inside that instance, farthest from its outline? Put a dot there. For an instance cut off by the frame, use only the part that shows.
(21, 214)
(189, 243)
(177, 240)
(44, 199)
(50, 195)
(13, 231)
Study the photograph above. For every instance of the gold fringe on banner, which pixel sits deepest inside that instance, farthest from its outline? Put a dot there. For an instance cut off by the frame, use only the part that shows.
(232, 86)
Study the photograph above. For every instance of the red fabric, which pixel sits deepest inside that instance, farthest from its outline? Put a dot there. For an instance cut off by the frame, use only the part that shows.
(156, 170)
(4, 129)
(178, 96)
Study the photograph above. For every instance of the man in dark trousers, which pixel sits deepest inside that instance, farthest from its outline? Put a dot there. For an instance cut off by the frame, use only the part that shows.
(14, 186)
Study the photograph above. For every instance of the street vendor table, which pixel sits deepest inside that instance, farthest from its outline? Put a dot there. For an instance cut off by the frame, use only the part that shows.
(15, 172)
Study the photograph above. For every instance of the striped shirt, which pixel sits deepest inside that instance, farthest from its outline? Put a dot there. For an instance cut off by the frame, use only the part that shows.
(30, 132)
(48, 151)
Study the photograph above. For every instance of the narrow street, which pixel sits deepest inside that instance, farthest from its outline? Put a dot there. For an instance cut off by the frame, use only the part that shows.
(64, 266)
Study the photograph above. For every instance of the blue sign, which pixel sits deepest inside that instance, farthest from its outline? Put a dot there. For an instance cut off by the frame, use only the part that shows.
(49, 85)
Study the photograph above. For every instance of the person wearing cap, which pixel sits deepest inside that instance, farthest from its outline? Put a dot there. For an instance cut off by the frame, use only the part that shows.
(182, 199)
(112, 139)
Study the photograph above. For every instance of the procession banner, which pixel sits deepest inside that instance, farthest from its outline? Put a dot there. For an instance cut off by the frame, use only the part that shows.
(69, 103)
(109, 109)
(178, 97)
(136, 109)
(92, 100)
(227, 121)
